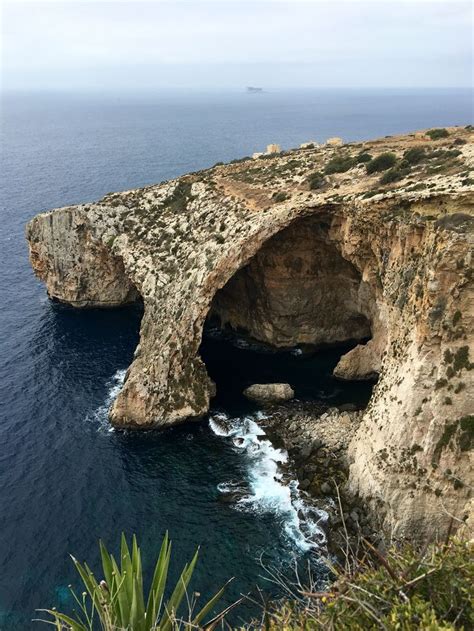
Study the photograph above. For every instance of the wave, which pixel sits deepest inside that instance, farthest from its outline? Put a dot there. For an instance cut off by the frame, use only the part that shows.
(269, 487)
(100, 415)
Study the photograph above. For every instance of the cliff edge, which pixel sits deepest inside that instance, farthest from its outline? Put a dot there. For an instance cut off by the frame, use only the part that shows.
(310, 246)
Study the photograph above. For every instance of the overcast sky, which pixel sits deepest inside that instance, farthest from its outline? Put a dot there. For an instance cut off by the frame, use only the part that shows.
(69, 45)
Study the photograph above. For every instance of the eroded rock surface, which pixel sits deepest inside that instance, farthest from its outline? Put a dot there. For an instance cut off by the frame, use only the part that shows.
(251, 243)
(317, 441)
(269, 393)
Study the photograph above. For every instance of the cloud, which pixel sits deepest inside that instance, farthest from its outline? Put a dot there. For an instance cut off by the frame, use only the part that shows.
(223, 44)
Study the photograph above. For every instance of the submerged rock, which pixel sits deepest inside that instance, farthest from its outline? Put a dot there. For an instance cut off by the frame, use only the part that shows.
(269, 393)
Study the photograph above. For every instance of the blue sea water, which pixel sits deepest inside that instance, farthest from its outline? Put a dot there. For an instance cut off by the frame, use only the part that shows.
(65, 479)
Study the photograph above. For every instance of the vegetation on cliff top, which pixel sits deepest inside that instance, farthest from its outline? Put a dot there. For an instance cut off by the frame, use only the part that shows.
(406, 589)
(381, 163)
(337, 174)
(437, 134)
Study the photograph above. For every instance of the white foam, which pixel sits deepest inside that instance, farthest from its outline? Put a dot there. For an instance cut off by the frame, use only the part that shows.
(268, 492)
(101, 414)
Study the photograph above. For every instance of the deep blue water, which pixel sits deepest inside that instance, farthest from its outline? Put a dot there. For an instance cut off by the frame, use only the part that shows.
(65, 480)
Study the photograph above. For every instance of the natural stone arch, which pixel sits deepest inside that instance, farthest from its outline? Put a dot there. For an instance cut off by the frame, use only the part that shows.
(180, 242)
(168, 382)
(181, 389)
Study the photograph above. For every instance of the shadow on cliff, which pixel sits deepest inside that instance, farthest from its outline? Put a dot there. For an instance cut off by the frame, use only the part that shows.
(289, 315)
(234, 362)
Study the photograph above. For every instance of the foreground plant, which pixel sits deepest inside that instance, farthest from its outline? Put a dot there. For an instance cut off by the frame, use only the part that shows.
(117, 603)
(405, 590)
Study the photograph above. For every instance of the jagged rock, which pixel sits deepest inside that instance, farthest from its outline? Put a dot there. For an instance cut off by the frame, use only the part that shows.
(305, 484)
(305, 452)
(269, 393)
(362, 362)
(352, 261)
(317, 444)
(326, 488)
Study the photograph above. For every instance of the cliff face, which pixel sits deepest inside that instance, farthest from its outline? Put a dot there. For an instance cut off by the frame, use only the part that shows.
(298, 289)
(250, 244)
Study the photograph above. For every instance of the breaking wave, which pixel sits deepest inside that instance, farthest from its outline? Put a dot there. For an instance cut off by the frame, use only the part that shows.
(100, 415)
(269, 487)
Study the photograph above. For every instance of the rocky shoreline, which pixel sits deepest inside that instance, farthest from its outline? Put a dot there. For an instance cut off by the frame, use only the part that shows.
(360, 241)
(317, 440)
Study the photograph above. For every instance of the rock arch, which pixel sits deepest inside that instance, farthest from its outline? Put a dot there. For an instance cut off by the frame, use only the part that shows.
(168, 383)
(409, 455)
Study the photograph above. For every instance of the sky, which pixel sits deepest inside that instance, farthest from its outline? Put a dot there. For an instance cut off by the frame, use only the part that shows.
(144, 46)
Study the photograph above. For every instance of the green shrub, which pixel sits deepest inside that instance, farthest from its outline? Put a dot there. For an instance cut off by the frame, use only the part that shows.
(406, 590)
(118, 601)
(363, 157)
(393, 175)
(339, 164)
(369, 194)
(177, 201)
(270, 156)
(443, 154)
(436, 134)
(461, 359)
(237, 160)
(381, 163)
(280, 197)
(315, 180)
(415, 155)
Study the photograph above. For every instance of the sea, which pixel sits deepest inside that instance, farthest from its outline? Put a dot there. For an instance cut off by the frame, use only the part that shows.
(66, 478)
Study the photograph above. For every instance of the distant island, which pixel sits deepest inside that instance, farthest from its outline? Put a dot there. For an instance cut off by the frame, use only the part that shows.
(252, 89)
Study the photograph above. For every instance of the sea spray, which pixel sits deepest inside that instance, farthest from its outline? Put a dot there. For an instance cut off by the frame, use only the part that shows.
(100, 415)
(269, 487)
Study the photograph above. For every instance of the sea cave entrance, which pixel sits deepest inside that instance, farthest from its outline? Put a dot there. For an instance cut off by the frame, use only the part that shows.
(288, 316)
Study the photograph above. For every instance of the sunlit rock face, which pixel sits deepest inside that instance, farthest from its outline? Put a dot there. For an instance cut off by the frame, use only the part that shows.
(250, 243)
(78, 268)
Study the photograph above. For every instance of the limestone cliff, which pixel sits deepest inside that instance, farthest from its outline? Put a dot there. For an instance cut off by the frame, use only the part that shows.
(302, 247)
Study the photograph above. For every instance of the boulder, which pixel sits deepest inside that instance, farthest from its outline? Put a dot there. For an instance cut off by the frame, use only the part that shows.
(269, 393)
(360, 363)
(334, 142)
(305, 452)
(326, 488)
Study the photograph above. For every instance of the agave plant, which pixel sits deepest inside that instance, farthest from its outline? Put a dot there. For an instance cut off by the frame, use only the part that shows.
(117, 603)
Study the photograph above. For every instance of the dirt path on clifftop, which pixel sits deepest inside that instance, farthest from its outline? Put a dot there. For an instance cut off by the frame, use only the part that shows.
(254, 198)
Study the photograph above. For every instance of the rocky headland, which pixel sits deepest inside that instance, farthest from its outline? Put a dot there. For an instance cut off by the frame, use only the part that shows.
(364, 242)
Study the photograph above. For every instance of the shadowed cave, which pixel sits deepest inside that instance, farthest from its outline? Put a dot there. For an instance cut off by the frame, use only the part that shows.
(289, 315)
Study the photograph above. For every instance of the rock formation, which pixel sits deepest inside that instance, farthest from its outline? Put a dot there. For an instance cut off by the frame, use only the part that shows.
(269, 393)
(355, 258)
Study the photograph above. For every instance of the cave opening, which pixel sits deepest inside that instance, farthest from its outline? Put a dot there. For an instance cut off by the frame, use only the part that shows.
(288, 316)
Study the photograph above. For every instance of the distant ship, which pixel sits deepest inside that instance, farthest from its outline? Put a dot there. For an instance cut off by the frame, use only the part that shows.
(252, 89)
